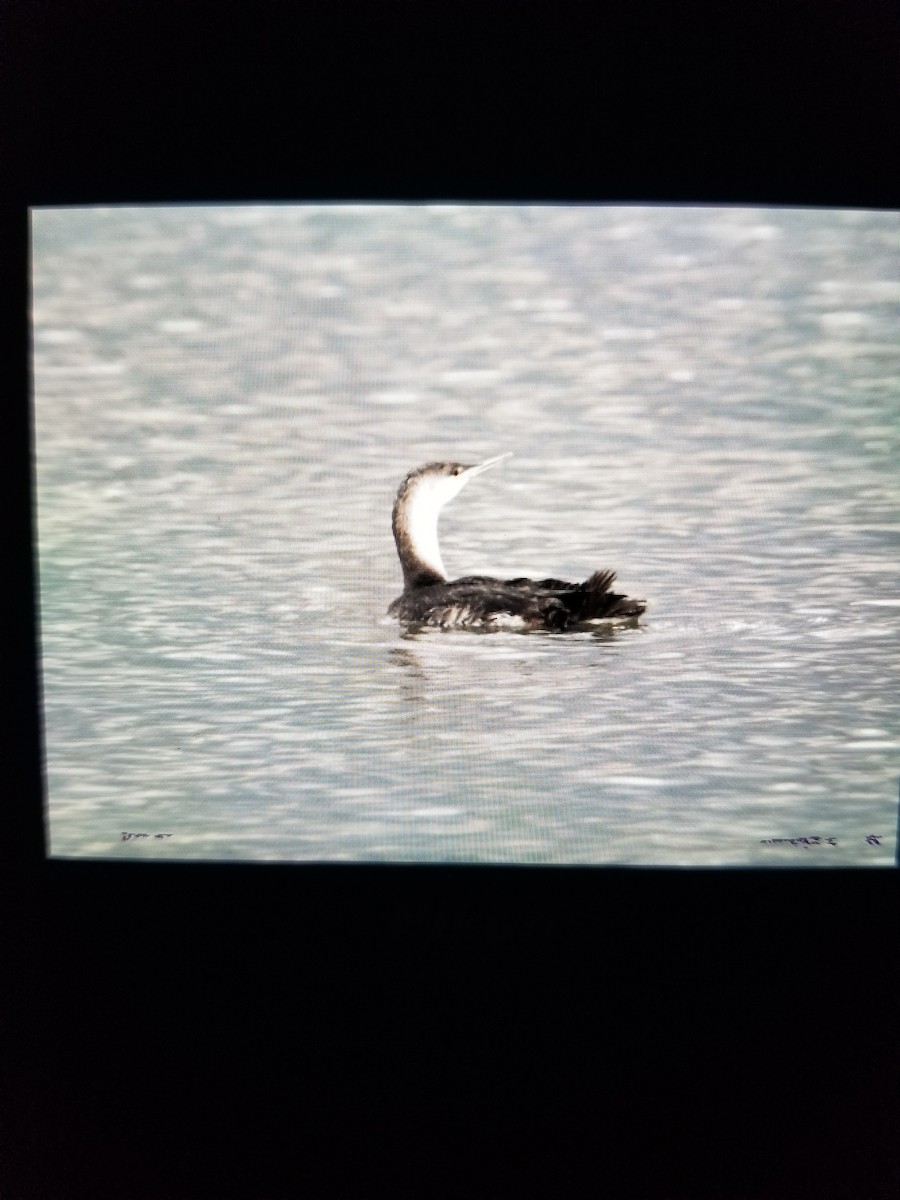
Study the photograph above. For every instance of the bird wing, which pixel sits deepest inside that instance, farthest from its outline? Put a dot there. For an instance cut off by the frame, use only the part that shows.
(480, 600)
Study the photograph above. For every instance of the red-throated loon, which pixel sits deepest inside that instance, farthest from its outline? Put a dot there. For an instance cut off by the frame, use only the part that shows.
(476, 601)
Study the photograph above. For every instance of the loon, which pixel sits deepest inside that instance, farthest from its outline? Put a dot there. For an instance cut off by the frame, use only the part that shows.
(477, 601)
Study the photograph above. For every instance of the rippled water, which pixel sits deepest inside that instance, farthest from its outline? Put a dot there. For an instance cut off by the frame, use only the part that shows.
(705, 400)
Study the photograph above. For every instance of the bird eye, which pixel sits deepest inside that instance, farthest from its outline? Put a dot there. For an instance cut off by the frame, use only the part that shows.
(455, 471)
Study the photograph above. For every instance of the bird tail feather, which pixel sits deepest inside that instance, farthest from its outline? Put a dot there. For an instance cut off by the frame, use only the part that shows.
(596, 600)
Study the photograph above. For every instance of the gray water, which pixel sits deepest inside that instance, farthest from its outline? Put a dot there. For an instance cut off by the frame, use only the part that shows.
(705, 400)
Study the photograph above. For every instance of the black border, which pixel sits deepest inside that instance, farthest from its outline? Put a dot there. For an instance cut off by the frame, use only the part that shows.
(196, 1030)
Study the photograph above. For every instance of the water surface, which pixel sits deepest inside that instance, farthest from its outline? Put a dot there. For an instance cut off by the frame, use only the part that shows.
(704, 400)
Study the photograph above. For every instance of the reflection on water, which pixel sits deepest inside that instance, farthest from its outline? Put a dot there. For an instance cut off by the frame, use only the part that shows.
(226, 401)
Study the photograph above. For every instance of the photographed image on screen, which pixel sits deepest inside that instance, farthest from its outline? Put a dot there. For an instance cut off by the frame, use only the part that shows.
(676, 636)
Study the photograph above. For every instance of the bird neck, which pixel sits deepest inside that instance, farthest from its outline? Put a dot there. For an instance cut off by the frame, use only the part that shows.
(415, 523)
